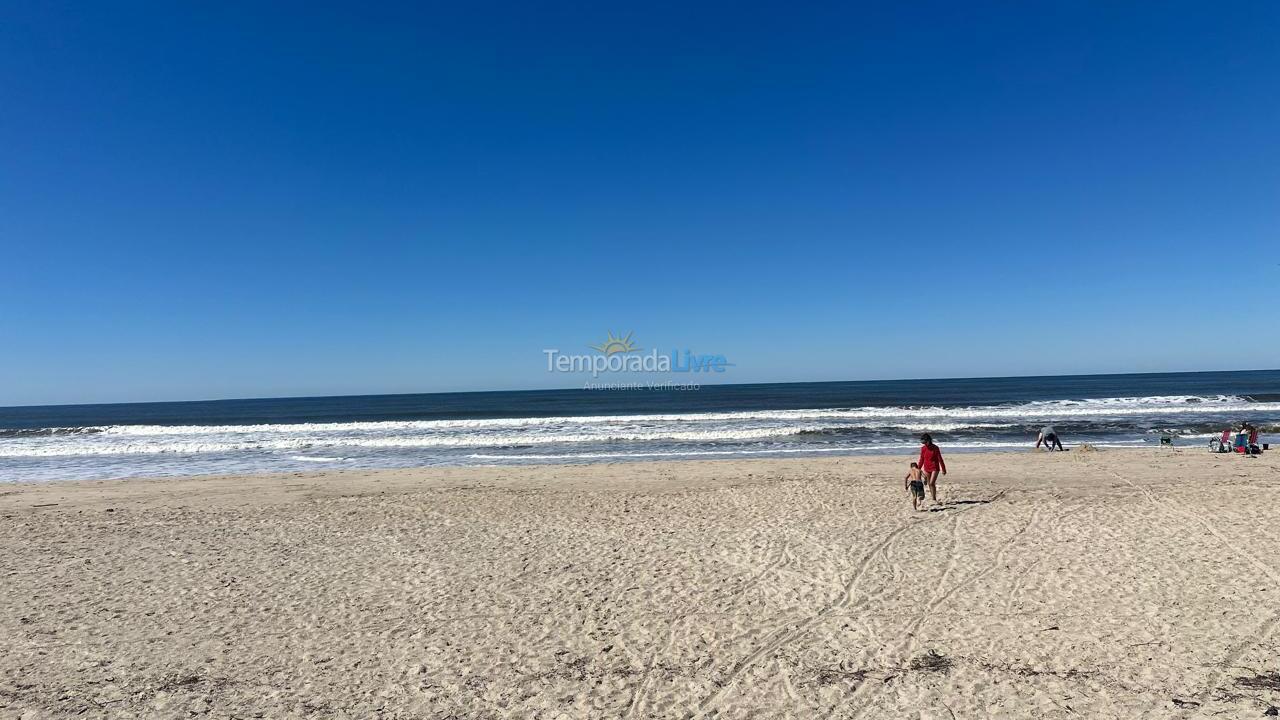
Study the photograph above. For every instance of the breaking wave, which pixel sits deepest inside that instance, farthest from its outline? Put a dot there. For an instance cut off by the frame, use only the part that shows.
(133, 449)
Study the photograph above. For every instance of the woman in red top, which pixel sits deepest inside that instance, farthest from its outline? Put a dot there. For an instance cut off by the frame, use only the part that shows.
(930, 463)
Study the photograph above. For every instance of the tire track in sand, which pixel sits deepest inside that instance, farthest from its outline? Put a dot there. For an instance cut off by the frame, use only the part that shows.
(939, 598)
(642, 689)
(1017, 586)
(1264, 631)
(793, 631)
(783, 558)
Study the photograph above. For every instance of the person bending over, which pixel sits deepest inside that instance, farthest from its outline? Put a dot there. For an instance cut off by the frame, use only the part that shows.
(1049, 436)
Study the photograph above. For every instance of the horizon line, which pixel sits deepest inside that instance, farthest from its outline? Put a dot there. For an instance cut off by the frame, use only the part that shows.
(581, 389)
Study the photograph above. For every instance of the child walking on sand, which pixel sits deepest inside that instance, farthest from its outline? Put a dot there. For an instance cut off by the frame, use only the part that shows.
(930, 463)
(914, 484)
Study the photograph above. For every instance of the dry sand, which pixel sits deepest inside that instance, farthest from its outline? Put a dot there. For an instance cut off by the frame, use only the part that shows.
(1129, 584)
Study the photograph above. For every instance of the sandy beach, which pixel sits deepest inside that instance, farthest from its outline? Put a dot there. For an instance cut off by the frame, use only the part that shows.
(1105, 584)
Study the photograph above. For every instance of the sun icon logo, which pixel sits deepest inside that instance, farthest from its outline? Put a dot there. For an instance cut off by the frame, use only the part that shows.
(614, 345)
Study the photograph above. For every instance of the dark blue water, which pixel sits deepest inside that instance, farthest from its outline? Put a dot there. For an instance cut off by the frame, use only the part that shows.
(1261, 386)
(262, 435)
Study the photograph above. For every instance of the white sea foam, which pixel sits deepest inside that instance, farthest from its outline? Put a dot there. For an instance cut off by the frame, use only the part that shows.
(169, 444)
(1046, 410)
(848, 427)
(904, 447)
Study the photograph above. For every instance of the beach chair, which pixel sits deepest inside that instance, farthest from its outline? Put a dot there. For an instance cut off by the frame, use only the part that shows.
(1221, 444)
(1253, 448)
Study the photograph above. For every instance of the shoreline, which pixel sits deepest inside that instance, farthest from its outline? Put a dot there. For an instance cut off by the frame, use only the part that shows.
(626, 475)
(798, 457)
(487, 472)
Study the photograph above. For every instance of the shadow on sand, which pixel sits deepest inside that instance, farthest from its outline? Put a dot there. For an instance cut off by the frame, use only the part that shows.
(951, 505)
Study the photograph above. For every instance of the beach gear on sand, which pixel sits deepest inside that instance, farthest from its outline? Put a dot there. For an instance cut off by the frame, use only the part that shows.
(1244, 441)
(1252, 447)
(1221, 444)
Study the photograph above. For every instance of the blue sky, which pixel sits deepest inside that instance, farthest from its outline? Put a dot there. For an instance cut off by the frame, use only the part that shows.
(229, 200)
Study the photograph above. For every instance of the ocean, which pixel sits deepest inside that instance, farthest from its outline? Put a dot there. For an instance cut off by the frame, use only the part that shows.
(64, 442)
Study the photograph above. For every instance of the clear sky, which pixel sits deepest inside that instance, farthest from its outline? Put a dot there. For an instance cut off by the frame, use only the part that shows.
(203, 200)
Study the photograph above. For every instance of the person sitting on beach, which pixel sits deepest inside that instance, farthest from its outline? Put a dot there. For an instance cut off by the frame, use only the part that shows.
(1247, 440)
(1241, 444)
(914, 484)
(930, 464)
(1049, 436)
